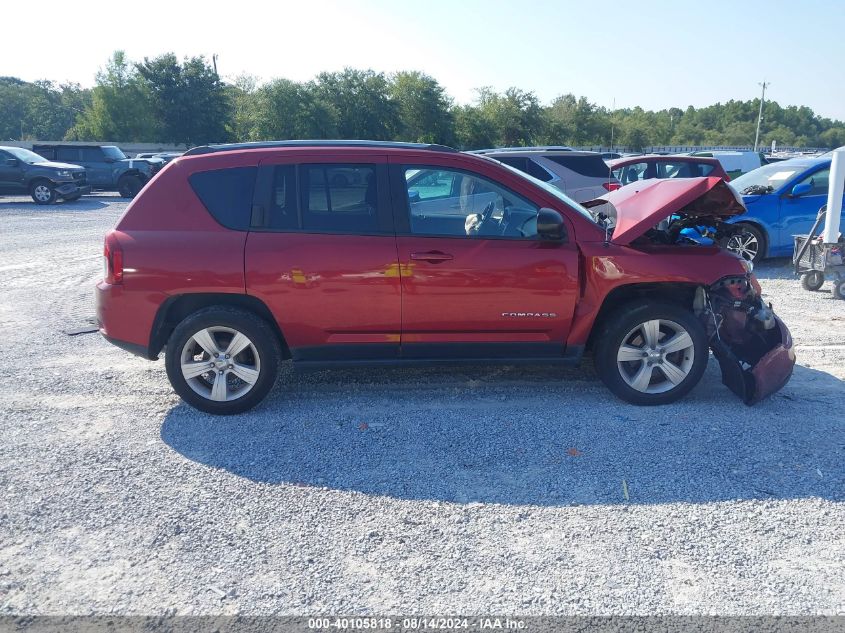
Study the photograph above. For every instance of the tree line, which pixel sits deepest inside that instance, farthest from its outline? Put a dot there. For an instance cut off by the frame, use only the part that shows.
(167, 100)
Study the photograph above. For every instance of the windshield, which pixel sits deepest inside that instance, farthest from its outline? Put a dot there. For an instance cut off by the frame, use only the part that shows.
(111, 151)
(25, 156)
(557, 193)
(766, 179)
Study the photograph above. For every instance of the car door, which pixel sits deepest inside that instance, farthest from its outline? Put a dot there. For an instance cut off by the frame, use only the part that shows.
(798, 213)
(11, 174)
(321, 254)
(97, 170)
(476, 281)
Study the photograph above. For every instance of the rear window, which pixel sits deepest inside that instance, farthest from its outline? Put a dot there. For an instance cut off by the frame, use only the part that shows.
(227, 194)
(592, 166)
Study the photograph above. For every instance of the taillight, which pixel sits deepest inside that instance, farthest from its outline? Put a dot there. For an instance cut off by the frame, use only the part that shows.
(611, 186)
(113, 260)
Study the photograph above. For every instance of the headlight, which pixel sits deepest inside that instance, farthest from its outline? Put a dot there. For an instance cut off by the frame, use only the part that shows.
(64, 173)
(747, 264)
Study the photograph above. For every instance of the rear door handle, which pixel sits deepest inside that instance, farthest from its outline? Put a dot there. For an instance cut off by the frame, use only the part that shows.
(433, 257)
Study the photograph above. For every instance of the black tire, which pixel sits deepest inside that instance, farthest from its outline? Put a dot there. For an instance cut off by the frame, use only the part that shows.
(617, 330)
(129, 186)
(839, 288)
(263, 341)
(812, 280)
(741, 241)
(43, 192)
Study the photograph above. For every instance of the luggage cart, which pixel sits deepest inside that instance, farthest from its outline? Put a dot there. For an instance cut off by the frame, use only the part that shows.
(814, 260)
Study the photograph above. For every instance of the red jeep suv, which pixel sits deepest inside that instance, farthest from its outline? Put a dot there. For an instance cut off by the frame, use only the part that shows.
(236, 257)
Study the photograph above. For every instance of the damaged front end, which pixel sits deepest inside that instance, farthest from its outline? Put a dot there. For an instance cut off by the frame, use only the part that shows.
(753, 346)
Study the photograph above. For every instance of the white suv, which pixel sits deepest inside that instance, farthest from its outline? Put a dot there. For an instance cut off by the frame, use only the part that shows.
(580, 175)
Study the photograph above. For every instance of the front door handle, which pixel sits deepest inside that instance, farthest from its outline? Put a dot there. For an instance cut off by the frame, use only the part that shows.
(433, 257)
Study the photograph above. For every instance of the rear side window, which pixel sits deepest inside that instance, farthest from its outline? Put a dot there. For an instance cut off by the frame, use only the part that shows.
(704, 169)
(283, 210)
(527, 166)
(342, 198)
(67, 154)
(92, 155)
(678, 169)
(591, 166)
(227, 194)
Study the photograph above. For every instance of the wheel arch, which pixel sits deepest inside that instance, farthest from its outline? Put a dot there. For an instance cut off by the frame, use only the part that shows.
(175, 309)
(677, 293)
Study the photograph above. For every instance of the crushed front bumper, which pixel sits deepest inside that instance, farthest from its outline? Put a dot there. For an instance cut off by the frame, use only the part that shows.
(753, 376)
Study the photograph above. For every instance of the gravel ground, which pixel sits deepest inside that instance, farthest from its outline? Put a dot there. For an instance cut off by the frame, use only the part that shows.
(425, 491)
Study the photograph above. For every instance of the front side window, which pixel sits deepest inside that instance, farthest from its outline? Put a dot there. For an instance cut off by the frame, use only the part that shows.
(342, 198)
(819, 182)
(92, 155)
(455, 203)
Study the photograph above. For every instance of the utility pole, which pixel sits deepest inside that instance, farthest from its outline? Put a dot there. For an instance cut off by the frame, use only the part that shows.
(214, 61)
(760, 116)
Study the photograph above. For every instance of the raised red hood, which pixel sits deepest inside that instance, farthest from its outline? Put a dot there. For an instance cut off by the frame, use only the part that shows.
(641, 205)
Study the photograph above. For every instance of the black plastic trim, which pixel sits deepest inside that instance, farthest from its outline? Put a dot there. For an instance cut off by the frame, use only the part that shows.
(228, 147)
(133, 348)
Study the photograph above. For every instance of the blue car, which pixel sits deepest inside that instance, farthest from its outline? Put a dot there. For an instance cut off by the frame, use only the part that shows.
(782, 199)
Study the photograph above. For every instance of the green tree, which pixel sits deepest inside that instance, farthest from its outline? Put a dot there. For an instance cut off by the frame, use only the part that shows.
(361, 100)
(515, 115)
(289, 110)
(188, 98)
(120, 108)
(424, 108)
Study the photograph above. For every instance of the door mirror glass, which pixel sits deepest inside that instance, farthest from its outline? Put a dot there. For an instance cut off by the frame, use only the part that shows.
(801, 189)
(550, 225)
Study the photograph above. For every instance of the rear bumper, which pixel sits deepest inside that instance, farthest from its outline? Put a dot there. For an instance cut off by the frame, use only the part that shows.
(124, 319)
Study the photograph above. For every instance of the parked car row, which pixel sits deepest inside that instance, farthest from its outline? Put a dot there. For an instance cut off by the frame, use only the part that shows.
(60, 171)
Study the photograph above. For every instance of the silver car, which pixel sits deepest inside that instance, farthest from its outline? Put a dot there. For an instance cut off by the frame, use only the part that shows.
(580, 175)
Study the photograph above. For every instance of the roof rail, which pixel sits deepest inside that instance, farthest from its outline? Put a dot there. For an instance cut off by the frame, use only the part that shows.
(531, 148)
(227, 147)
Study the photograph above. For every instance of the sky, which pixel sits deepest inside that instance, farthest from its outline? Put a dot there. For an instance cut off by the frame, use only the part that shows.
(654, 54)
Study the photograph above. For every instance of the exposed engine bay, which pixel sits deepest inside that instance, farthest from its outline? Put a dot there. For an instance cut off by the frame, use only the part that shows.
(669, 212)
(753, 346)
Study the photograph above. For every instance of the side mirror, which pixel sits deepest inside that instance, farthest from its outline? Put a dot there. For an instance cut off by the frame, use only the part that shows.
(550, 225)
(800, 190)
(413, 195)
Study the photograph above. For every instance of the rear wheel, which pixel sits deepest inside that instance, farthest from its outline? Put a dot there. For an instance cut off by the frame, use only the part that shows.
(839, 288)
(43, 192)
(651, 353)
(129, 186)
(222, 360)
(812, 280)
(749, 242)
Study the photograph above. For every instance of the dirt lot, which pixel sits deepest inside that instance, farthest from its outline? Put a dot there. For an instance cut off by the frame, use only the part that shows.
(434, 491)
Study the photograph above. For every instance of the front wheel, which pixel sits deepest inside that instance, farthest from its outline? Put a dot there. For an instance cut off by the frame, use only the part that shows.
(43, 192)
(749, 242)
(129, 186)
(651, 353)
(222, 360)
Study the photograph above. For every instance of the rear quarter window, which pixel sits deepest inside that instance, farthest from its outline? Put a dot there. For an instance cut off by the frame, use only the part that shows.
(227, 194)
(591, 166)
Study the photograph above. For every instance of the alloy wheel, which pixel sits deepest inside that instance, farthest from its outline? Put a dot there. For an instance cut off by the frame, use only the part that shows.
(745, 244)
(220, 363)
(655, 356)
(42, 193)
